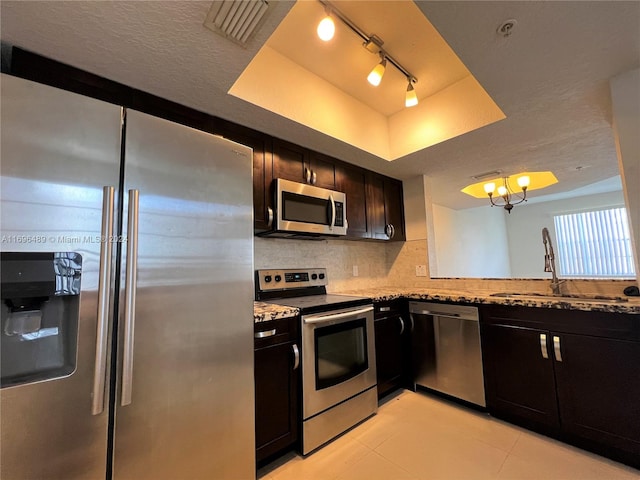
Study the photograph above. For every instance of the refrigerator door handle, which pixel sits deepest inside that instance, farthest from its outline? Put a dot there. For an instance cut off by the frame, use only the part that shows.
(131, 280)
(104, 301)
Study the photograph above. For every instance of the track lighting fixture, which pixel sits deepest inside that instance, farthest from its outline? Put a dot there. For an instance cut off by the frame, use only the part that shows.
(373, 44)
(376, 74)
(326, 27)
(411, 99)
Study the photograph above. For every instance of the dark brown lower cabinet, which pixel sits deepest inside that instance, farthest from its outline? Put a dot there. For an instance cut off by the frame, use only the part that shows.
(276, 361)
(392, 346)
(519, 381)
(598, 385)
(569, 374)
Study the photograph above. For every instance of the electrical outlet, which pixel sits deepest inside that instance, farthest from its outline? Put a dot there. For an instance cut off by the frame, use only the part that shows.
(355, 270)
(421, 270)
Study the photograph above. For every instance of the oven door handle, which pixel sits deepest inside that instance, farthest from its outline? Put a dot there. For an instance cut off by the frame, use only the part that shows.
(336, 316)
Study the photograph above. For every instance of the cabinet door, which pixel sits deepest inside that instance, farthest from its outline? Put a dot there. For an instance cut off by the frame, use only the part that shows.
(290, 161)
(519, 380)
(352, 183)
(385, 212)
(375, 206)
(599, 390)
(323, 171)
(394, 210)
(389, 353)
(276, 399)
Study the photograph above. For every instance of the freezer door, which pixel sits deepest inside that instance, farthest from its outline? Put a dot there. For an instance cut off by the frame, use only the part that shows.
(58, 152)
(188, 411)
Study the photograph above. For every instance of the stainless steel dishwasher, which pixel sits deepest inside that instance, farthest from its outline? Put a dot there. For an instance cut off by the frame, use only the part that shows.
(446, 350)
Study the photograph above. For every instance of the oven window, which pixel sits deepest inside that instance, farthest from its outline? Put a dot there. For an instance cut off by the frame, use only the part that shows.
(341, 352)
(301, 208)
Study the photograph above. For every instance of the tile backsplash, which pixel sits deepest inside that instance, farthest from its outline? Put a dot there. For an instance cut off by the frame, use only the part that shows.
(393, 264)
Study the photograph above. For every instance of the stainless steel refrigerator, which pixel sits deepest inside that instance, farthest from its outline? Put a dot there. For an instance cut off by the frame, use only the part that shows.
(127, 294)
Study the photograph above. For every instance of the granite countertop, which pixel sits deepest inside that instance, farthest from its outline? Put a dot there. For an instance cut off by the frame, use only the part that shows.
(631, 305)
(263, 312)
(266, 311)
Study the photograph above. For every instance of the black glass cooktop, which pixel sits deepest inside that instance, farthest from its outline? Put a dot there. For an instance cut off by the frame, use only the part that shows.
(322, 303)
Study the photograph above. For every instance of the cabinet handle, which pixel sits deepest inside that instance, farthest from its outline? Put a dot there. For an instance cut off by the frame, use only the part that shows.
(296, 356)
(269, 216)
(543, 345)
(265, 334)
(307, 175)
(401, 325)
(313, 177)
(385, 309)
(390, 230)
(556, 348)
(412, 323)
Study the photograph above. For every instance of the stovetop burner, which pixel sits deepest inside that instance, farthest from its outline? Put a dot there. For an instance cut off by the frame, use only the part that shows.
(302, 288)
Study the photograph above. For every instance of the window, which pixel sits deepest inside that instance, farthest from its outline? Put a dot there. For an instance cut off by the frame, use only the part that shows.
(594, 244)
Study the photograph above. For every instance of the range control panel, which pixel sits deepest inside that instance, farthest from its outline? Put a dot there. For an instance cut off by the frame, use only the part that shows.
(291, 278)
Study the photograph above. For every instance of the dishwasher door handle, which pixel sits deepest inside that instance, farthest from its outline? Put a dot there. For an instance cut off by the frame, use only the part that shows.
(436, 313)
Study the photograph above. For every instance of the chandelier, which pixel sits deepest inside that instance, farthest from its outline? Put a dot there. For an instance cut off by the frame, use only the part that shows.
(507, 196)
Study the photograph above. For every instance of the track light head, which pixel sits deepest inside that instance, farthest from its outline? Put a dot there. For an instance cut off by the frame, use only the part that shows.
(326, 28)
(375, 77)
(411, 98)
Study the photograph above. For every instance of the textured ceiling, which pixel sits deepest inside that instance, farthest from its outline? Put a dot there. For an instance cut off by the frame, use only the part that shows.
(550, 77)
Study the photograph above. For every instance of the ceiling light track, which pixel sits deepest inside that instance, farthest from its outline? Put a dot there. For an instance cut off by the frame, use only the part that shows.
(373, 44)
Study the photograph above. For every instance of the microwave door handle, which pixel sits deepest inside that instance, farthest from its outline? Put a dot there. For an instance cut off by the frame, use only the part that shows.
(333, 213)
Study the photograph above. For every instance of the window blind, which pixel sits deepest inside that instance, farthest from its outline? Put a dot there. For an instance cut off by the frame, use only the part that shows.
(594, 244)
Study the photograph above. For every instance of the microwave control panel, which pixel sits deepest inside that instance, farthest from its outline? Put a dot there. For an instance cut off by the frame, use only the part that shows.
(285, 279)
(339, 214)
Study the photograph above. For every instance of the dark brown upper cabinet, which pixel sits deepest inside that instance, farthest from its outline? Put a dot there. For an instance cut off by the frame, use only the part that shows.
(352, 181)
(298, 164)
(385, 212)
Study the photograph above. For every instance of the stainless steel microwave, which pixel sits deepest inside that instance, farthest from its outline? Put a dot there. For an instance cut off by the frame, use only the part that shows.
(302, 210)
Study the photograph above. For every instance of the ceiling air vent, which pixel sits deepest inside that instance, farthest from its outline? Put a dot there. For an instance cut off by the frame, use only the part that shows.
(236, 20)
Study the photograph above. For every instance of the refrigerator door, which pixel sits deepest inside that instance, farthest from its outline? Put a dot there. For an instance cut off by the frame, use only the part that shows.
(58, 152)
(188, 411)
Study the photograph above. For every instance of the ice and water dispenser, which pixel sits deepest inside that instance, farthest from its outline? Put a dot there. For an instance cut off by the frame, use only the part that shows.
(40, 312)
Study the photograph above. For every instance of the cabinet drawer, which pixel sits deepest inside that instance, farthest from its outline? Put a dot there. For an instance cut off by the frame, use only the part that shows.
(274, 332)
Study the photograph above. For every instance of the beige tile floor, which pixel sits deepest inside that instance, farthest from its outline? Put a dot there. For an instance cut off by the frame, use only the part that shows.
(417, 436)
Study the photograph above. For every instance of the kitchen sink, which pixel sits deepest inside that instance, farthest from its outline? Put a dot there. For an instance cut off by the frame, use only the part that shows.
(544, 296)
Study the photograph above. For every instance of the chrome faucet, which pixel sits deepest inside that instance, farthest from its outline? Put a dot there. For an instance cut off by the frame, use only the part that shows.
(549, 262)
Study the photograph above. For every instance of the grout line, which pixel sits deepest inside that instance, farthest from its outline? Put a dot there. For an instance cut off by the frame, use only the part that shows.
(394, 463)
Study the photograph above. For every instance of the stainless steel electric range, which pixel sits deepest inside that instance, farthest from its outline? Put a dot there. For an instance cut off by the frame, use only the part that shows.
(338, 351)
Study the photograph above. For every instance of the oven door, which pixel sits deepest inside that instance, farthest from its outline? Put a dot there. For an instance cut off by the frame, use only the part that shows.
(307, 209)
(339, 358)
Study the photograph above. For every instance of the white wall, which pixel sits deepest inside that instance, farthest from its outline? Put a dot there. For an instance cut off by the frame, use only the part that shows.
(625, 100)
(470, 243)
(524, 229)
